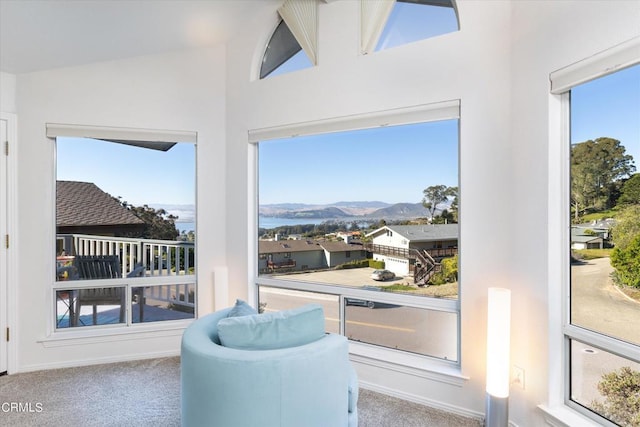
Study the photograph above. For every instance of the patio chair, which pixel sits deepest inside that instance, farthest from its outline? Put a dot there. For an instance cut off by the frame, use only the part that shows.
(101, 267)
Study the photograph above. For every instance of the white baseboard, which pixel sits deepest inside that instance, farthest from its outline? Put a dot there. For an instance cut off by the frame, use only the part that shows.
(98, 361)
(458, 410)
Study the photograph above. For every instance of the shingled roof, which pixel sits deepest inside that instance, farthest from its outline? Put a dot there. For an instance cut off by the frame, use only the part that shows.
(271, 246)
(422, 233)
(84, 204)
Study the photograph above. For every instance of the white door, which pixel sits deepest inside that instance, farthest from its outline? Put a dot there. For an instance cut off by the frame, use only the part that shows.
(4, 137)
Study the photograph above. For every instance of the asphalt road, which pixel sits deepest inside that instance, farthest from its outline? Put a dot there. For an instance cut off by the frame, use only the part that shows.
(596, 304)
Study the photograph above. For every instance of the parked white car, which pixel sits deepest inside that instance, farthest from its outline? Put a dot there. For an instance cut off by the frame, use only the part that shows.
(383, 275)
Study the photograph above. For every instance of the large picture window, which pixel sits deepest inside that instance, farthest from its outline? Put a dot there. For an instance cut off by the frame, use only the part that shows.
(365, 222)
(125, 231)
(602, 334)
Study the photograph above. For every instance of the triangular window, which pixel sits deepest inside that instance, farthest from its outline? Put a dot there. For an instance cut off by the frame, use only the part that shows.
(407, 21)
(283, 53)
(298, 31)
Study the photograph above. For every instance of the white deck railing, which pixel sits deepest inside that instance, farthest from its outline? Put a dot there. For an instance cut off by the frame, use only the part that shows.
(160, 257)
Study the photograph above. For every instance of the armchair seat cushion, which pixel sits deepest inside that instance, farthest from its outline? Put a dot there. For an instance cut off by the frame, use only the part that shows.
(270, 331)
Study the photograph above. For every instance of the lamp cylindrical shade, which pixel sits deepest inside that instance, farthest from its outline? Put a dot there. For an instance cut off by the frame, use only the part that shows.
(498, 341)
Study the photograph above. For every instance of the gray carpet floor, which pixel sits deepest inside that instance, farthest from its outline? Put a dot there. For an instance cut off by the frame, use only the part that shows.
(147, 393)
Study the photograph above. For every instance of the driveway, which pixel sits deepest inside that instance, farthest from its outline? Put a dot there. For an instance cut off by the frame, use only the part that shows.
(598, 305)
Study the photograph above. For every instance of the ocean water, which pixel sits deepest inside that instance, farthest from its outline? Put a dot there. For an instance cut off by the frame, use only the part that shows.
(186, 226)
(273, 222)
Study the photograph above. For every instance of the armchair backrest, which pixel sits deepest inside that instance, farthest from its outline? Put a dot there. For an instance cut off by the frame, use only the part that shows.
(98, 266)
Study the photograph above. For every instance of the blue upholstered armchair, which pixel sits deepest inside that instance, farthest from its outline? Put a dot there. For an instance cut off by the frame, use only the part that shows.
(276, 369)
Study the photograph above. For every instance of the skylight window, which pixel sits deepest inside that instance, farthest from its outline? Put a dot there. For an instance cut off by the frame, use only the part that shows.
(298, 31)
(413, 20)
(283, 54)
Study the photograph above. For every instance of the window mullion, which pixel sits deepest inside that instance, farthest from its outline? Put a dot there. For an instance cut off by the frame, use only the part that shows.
(604, 342)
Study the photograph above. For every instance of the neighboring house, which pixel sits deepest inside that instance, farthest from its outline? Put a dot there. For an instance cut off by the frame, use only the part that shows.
(301, 255)
(337, 253)
(601, 228)
(399, 246)
(582, 239)
(83, 208)
(591, 235)
(348, 236)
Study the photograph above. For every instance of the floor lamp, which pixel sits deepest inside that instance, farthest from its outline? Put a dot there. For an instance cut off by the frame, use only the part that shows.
(498, 347)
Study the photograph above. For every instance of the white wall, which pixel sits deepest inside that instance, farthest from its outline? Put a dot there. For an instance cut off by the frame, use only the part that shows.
(7, 92)
(472, 65)
(498, 65)
(546, 36)
(177, 91)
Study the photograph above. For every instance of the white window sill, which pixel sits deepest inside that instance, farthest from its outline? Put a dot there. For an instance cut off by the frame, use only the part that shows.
(408, 363)
(563, 416)
(84, 335)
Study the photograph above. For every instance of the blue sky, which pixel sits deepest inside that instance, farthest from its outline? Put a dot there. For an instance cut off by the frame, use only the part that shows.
(140, 176)
(410, 22)
(391, 164)
(609, 106)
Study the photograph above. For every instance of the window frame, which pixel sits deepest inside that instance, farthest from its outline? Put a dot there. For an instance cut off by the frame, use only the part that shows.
(65, 336)
(447, 371)
(560, 405)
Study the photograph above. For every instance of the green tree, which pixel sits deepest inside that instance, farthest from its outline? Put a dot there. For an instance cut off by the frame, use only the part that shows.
(436, 195)
(621, 390)
(625, 256)
(627, 226)
(188, 236)
(453, 209)
(597, 170)
(626, 261)
(159, 224)
(630, 192)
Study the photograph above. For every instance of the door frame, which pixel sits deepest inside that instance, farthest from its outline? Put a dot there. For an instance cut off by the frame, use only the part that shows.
(9, 270)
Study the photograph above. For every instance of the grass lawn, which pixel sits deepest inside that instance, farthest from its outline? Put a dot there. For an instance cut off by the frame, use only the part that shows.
(633, 293)
(447, 290)
(587, 254)
(599, 215)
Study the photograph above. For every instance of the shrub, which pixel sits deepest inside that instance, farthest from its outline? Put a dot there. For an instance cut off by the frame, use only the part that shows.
(626, 261)
(449, 272)
(378, 265)
(361, 263)
(621, 390)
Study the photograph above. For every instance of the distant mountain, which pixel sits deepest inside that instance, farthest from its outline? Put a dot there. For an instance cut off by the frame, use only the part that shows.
(346, 209)
(329, 212)
(343, 209)
(303, 210)
(287, 206)
(364, 204)
(401, 210)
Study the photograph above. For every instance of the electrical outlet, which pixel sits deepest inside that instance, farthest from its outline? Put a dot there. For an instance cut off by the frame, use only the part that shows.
(517, 376)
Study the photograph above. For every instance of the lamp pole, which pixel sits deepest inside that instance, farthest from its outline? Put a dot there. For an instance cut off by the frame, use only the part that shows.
(498, 349)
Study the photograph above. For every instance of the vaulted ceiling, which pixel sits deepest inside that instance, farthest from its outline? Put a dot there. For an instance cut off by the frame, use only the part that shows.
(44, 34)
